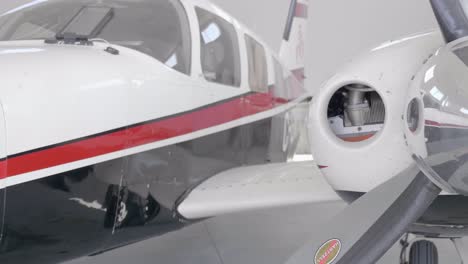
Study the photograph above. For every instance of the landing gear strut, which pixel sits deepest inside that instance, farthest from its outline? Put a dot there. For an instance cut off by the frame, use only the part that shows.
(404, 248)
(461, 249)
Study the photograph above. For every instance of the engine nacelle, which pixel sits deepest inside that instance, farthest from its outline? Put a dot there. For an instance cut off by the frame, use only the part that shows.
(360, 120)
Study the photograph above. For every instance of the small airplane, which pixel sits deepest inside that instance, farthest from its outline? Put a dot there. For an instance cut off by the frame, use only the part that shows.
(115, 113)
(124, 120)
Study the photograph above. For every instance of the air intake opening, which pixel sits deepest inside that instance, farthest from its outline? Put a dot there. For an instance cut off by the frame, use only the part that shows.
(356, 113)
(413, 115)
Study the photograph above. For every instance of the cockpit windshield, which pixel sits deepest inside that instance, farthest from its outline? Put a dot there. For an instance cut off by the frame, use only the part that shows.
(159, 28)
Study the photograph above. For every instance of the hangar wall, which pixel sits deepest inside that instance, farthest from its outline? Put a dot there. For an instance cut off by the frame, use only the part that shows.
(338, 29)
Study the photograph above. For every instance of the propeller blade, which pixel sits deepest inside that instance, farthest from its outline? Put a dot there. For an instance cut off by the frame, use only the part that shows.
(452, 18)
(367, 228)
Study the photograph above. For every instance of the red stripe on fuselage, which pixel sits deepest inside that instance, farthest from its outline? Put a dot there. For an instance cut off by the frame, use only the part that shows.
(137, 135)
(443, 125)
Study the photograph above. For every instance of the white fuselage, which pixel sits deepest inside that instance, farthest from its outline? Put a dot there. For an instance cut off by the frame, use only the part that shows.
(56, 93)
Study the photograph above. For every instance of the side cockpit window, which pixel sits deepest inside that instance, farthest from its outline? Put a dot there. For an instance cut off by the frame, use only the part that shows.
(258, 70)
(159, 28)
(220, 57)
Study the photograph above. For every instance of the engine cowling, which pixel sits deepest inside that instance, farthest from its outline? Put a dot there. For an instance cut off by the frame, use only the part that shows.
(365, 121)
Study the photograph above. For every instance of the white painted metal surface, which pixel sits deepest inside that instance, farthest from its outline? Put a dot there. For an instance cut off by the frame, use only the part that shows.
(389, 69)
(257, 187)
(58, 93)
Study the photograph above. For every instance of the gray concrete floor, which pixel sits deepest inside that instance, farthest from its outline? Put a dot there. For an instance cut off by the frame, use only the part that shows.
(267, 236)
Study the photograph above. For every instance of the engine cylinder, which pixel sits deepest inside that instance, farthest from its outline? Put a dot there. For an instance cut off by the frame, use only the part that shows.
(356, 113)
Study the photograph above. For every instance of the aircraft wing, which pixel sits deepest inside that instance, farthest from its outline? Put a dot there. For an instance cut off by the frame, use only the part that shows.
(256, 187)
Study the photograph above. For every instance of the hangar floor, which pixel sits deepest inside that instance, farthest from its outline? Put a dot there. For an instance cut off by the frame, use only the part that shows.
(267, 236)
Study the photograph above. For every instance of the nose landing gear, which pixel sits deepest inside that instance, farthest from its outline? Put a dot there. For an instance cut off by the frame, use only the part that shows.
(461, 249)
(420, 251)
(423, 252)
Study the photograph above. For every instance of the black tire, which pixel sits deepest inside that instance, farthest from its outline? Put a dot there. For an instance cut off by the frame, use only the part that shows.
(423, 252)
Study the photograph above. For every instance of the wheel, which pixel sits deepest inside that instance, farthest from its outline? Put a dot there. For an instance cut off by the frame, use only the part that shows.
(423, 252)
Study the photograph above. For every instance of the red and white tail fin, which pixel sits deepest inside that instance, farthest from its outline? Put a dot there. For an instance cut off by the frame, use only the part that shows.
(292, 52)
